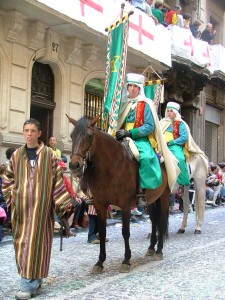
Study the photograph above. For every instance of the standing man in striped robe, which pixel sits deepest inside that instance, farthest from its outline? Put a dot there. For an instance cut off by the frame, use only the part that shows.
(33, 186)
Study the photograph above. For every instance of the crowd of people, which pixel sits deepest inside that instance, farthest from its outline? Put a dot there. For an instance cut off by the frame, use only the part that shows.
(174, 16)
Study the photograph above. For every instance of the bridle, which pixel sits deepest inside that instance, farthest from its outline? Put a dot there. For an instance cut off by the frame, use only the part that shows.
(87, 155)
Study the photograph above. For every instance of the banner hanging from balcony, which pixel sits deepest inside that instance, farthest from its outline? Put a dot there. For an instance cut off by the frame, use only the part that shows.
(115, 71)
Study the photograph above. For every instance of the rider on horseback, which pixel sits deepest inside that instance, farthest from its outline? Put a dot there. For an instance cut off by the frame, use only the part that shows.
(180, 142)
(137, 116)
(176, 135)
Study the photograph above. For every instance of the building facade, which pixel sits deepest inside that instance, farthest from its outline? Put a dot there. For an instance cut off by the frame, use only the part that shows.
(53, 64)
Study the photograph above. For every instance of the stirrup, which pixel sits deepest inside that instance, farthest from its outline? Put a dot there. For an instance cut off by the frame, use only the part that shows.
(180, 191)
(141, 199)
(89, 202)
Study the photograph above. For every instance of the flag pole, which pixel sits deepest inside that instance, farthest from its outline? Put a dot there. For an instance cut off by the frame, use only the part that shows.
(117, 22)
(122, 9)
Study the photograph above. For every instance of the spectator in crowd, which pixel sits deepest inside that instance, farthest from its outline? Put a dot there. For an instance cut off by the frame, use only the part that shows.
(172, 16)
(164, 12)
(208, 34)
(135, 211)
(222, 172)
(195, 29)
(80, 204)
(140, 4)
(180, 20)
(171, 202)
(8, 224)
(186, 21)
(3, 207)
(148, 10)
(157, 12)
(145, 6)
(52, 142)
(33, 185)
(213, 182)
(93, 236)
(192, 193)
(9, 153)
(93, 225)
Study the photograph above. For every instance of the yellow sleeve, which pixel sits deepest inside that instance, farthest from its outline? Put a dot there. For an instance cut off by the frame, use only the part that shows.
(57, 153)
(174, 19)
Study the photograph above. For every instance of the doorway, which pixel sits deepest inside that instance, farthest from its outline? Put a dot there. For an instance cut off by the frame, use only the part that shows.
(42, 98)
(45, 117)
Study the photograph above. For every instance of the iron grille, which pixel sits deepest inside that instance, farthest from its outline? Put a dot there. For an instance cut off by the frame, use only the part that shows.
(93, 106)
(211, 141)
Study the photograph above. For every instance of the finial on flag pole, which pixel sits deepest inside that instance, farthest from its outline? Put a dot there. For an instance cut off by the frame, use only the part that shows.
(122, 9)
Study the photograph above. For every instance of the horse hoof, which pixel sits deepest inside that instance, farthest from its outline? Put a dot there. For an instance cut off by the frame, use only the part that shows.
(97, 270)
(158, 256)
(125, 268)
(197, 231)
(181, 231)
(150, 252)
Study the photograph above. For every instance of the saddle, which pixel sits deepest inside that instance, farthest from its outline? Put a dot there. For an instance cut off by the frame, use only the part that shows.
(131, 148)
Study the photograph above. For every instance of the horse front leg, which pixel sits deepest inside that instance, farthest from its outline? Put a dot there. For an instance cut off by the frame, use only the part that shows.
(125, 267)
(98, 267)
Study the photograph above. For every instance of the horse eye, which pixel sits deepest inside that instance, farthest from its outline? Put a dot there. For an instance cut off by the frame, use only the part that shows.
(89, 135)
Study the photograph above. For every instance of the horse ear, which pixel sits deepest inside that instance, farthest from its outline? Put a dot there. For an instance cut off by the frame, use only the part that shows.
(73, 121)
(94, 121)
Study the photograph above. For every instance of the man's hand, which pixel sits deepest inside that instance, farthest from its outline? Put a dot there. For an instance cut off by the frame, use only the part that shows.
(123, 133)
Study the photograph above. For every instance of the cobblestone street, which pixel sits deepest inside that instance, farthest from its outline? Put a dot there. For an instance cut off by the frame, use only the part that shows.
(193, 265)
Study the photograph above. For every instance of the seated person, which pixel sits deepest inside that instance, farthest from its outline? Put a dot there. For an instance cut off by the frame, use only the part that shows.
(80, 206)
(213, 183)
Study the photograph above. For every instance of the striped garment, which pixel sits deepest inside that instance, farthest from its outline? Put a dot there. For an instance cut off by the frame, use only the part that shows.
(33, 193)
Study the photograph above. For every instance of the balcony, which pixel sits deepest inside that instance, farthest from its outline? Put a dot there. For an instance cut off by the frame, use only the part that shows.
(86, 21)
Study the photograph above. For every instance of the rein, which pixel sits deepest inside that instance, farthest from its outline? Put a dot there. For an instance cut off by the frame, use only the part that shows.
(87, 155)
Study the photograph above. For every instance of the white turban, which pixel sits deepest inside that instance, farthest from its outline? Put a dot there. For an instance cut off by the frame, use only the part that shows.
(137, 79)
(175, 107)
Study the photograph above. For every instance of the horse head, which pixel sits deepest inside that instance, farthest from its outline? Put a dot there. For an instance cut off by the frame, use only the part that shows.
(82, 139)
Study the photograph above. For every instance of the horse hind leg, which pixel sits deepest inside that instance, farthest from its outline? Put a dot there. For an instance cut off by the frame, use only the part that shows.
(162, 225)
(159, 213)
(153, 241)
(199, 208)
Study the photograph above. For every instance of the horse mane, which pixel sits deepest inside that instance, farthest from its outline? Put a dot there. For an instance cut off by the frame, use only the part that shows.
(81, 127)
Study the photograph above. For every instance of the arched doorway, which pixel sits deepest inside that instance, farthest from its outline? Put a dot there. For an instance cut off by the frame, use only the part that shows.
(42, 98)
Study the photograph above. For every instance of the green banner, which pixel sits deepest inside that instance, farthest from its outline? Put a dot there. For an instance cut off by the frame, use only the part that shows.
(155, 92)
(149, 91)
(115, 72)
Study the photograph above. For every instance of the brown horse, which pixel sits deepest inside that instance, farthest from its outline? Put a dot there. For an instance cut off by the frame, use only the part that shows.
(105, 165)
